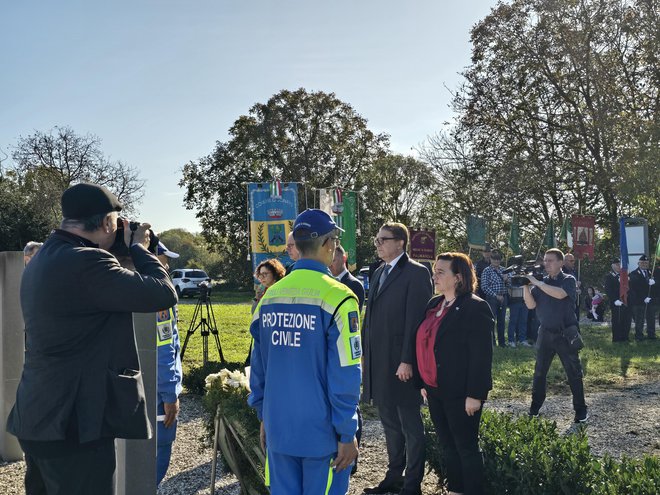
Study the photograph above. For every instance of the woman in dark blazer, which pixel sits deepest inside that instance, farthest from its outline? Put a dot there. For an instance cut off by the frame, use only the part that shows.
(453, 364)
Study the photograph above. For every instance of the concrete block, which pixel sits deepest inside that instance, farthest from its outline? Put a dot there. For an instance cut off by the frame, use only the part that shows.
(12, 346)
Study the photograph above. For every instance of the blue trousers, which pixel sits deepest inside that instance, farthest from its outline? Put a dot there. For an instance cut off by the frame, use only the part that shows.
(291, 475)
(517, 321)
(499, 312)
(164, 440)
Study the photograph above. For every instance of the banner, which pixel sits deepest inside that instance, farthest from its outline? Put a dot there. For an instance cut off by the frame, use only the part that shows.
(476, 232)
(623, 274)
(422, 245)
(566, 233)
(549, 238)
(583, 227)
(273, 208)
(342, 207)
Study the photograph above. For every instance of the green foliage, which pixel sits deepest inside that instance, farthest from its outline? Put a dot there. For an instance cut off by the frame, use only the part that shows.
(528, 456)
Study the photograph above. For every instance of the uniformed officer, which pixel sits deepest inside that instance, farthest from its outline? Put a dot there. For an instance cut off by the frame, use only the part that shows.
(305, 375)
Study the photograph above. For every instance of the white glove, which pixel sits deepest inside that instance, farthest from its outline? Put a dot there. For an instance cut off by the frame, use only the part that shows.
(618, 303)
(647, 300)
(651, 281)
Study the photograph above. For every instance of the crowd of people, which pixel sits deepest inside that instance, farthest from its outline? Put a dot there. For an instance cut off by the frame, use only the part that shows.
(425, 337)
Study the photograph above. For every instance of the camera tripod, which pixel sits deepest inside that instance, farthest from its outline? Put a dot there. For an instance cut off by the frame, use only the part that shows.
(204, 318)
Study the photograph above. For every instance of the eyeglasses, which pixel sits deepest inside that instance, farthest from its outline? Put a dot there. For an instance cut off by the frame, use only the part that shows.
(379, 241)
(263, 274)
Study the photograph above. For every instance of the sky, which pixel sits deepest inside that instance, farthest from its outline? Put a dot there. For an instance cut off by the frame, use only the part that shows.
(160, 81)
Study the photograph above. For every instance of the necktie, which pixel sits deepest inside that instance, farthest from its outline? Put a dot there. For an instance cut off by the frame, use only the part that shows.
(383, 276)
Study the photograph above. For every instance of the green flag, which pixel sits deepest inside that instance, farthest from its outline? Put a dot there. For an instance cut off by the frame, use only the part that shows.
(657, 248)
(349, 199)
(549, 239)
(566, 233)
(514, 235)
(476, 232)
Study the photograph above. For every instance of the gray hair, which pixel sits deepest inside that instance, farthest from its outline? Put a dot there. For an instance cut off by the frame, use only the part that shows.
(308, 247)
(89, 224)
(31, 247)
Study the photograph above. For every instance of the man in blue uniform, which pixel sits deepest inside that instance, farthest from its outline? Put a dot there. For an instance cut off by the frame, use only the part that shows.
(305, 375)
(169, 376)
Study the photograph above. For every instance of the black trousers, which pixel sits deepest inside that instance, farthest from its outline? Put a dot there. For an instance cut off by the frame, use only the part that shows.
(644, 312)
(64, 468)
(404, 438)
(547, 345)
(621, 321)
(458, 435)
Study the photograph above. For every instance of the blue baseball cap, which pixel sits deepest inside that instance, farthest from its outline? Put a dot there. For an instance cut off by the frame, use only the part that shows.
(313, 223)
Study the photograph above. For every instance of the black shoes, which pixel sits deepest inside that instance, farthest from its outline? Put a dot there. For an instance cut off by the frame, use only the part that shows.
(385, 486)
(581, 417)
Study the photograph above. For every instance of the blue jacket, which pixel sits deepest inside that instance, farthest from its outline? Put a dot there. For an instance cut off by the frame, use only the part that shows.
(305, 375)
(169, 357)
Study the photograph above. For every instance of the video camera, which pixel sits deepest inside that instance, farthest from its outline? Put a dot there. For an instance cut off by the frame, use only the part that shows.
(521, 268)
(119, 247)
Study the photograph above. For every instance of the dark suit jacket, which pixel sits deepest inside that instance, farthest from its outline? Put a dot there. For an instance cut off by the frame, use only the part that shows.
(388, 335)
(639, 287)
(77, 303)
(355, 285)
(463, 349)
(612, 288)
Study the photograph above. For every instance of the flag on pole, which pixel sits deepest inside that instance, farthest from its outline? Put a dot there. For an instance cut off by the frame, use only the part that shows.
(566, 233)
(623, 274)
(476, 232)
(514, 235)
(549, 239)
(657, 248)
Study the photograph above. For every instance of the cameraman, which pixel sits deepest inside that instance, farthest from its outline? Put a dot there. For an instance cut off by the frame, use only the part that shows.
(554, 300)
(81, 386)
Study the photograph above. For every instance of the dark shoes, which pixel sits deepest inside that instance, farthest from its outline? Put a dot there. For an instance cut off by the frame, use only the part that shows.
(581, 417)
(385, 486)
(533, 413)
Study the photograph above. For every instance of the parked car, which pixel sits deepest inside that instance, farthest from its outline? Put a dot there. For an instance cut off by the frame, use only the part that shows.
(186, 281)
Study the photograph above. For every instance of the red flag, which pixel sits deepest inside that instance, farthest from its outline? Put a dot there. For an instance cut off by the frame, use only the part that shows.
(583, 235)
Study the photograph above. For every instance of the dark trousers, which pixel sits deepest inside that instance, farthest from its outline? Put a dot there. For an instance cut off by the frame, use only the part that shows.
(499, 312)
(547, 345)
(621, 321)
(404, 437)
(458, 435)
(532, 325)
(80, 469)
(644, 312)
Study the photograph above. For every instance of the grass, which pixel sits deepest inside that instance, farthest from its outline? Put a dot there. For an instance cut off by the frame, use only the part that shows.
(606, 365)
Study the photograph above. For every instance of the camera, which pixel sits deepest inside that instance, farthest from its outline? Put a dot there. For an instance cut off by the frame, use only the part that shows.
(520, 268)
(204, 290)
(119, 247)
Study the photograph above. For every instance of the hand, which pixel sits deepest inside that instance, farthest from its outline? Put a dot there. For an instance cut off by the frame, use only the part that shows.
(140, 236)
(618, 303)
(532, 279)
(404, 373)
(346, 455)
(171, 412)
(651, 281)
(425, 396)
(262, 436)
(472, 405)
(647, 300)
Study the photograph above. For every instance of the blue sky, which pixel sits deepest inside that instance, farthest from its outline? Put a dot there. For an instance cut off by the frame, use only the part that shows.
(161, 81)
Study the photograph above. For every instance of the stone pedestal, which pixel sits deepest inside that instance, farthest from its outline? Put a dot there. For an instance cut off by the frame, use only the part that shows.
(12, 346)
(136, 459)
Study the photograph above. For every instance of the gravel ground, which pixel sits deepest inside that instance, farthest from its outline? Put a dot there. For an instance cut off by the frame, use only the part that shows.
(621, 422)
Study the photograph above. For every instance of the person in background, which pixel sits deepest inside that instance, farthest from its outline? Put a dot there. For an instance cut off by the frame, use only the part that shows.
(480, 266)
(594, 303)
(642, 304)
(30, 250)
(569, 269)
(340, 271)
(493, 285)
(268, 272)
(621, 316)
(292, 251)
(453, 363)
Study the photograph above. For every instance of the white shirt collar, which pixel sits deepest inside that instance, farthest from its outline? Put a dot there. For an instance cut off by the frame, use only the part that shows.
(395, 261)
(341, 275)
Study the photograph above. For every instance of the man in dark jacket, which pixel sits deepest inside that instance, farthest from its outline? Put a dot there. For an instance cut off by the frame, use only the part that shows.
(398, 295)
(621, 315)
(81, 385)
(340, 271)
(640, 300)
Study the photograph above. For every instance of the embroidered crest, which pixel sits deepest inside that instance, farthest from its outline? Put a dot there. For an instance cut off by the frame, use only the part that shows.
(356, 346)
(163, 315)
(354, 321)
(164, 331)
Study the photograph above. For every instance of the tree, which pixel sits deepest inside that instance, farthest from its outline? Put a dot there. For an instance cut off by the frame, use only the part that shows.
(558, 113)
(193, 251)
(296, 136)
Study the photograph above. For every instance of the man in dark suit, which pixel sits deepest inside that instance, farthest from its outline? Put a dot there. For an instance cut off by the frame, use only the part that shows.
(81, 385)
(398, 295)
(340, 271)
(640, 300)
(621, 317)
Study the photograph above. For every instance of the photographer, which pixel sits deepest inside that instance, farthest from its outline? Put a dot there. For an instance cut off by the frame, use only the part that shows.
(554, 300)
(81, 385)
